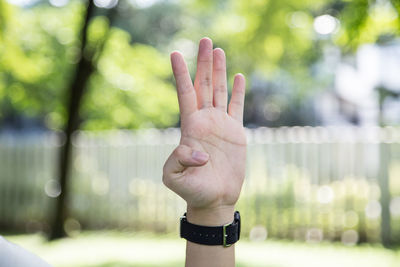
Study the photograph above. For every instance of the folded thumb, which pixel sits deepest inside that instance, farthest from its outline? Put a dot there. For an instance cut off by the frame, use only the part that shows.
(183, 157)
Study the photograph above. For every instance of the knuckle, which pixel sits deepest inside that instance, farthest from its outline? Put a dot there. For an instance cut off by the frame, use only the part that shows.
(165, 180)
(236, 102)
(206, 82)
(220, 67)
(220, 89)
(180, 152)
(185, 91)
(206, 104)
(185, 88)
(240, 91)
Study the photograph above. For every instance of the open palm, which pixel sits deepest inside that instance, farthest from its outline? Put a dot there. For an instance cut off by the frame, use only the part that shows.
(207, 168)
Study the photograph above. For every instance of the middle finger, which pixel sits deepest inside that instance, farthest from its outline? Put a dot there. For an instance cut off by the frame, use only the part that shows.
(203, 81)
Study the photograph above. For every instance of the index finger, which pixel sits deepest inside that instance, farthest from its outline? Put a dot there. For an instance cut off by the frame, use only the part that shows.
(186, 93)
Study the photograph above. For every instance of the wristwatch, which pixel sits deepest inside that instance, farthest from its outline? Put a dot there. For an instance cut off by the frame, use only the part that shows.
(224, 235)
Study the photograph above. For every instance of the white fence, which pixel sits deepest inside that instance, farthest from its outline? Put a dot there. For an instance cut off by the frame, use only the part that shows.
(305, 183)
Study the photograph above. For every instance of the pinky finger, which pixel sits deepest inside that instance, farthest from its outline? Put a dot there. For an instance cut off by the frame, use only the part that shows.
(236, 104)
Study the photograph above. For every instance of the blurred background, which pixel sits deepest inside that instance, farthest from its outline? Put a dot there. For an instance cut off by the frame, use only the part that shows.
(88, 115)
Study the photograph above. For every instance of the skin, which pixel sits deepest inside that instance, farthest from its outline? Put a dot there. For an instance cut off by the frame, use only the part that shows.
(207, 169)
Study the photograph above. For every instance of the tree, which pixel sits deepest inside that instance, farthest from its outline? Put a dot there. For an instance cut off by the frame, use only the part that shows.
(84, 70)
(42, 47)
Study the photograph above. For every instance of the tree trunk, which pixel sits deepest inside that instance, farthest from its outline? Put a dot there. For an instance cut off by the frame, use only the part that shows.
(385, 194)
(76, 91)
(384, 164)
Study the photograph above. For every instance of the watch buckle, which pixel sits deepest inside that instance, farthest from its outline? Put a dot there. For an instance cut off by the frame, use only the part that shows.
(224, 236)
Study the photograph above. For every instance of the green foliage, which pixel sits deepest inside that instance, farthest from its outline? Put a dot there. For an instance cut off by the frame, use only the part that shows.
(259, 35)
(367, 22)
(36, 56)
(132, 88)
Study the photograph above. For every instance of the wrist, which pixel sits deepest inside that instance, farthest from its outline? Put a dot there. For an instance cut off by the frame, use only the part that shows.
(216, 216)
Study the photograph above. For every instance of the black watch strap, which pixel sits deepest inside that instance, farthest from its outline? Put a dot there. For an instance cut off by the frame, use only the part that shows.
(225, 235)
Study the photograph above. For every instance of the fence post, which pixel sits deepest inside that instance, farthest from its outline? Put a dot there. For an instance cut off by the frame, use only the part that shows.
(385, 193)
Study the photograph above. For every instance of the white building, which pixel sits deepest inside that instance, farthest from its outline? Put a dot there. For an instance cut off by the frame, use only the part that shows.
(355, 98)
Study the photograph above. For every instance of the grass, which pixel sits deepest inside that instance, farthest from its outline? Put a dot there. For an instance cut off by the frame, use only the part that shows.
(109, 249)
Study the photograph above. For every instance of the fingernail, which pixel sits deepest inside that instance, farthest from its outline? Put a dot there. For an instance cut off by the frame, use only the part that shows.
(199, 156)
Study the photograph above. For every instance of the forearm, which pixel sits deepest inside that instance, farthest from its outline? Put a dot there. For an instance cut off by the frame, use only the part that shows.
(211, 256)
(201, 255)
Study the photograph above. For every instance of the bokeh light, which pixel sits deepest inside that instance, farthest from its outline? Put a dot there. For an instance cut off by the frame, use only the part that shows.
(314, 235)
(349, 237)
(395, 207)
(100, 185)
(58, 3)
(106, 3)
(326, 24)
(52, 188)
(373, 209)
(258, 233)
(72, 227)
(325, 194)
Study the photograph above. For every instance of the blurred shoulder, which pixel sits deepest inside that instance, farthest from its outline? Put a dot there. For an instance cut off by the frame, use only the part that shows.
(14, 255)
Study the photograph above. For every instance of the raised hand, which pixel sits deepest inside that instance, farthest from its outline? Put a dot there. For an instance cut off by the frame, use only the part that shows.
(207, 168)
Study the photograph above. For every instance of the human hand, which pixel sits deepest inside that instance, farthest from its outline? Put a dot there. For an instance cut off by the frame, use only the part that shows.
(207, 168)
